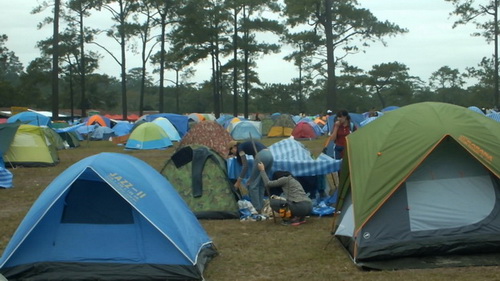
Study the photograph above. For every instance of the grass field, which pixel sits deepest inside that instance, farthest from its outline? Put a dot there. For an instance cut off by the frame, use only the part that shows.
(247, 250)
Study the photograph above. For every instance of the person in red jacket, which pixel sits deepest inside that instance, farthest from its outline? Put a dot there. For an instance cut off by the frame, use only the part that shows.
(342, 127)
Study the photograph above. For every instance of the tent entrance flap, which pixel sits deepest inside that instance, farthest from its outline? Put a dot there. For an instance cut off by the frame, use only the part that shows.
(449, 174)
(94, 202)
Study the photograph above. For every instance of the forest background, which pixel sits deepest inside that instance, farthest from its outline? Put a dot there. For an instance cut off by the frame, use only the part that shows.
(177, 35)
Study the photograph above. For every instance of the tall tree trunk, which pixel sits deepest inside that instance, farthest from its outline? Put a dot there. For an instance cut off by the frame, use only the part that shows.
(235, 67)
(177, 92)
(123, 61)
(301, 97)
(495, 100)
(162, 61)
(245, 99)
(143, 78)
(215, 87)
(217, 97)
(55, 63)
(71, 90)
(331, 88)
(82, 66)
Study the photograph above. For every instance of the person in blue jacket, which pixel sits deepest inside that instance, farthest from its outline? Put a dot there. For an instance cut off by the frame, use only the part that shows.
(260, 153)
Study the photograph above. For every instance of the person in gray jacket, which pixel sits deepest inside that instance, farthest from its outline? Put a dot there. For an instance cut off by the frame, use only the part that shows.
(294, 198)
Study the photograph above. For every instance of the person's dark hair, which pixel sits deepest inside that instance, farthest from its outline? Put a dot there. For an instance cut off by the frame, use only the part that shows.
(344, 113)
(280, 174)
(230, 145)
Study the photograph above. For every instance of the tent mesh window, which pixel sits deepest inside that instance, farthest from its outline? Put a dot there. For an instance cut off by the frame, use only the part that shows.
(94, 202)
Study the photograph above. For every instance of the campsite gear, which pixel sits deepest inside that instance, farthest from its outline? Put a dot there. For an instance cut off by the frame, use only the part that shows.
(425, 184)
(199, 175)
(243, 189)
(110, 216)
(285, 211)
(246, 208)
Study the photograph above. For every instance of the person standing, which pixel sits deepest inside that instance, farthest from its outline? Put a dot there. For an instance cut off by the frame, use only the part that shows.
(260, 153)
(342, 127)
(294, 197)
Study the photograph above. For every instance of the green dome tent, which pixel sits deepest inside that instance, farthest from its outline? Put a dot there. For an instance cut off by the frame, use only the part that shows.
(422, 180)
(199, 175)
(31, 147)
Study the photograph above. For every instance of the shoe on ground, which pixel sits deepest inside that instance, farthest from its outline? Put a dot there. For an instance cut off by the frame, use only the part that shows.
(298, 221)
(286, 222)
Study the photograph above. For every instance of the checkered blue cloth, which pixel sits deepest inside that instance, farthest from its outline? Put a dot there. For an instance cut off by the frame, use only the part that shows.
(291, 155)
(495, 116)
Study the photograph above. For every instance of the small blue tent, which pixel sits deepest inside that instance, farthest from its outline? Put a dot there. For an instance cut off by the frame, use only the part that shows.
(31, 118)
(244, 130)
(168, 127)
(180, 122)
(109, 216)
(122, 128)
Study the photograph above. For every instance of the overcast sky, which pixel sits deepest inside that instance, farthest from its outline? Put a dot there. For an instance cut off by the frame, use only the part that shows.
(430, 43)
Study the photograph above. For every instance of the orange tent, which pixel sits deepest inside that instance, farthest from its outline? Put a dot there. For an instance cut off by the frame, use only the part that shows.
(97, 119)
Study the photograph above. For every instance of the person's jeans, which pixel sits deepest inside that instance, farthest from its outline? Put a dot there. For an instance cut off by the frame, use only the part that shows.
(256, 188)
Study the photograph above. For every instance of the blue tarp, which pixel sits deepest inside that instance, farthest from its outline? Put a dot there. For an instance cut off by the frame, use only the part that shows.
(122, 128)
(102, 133)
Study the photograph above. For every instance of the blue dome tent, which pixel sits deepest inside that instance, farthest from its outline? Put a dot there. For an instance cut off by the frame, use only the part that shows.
(109, 216)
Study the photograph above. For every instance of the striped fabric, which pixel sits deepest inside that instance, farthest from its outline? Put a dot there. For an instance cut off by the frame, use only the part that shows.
(291, 155)
(5, 176)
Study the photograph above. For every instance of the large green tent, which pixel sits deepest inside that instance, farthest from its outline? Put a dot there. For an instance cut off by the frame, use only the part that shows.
(421, 180)
(31, 147)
